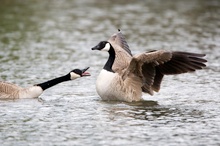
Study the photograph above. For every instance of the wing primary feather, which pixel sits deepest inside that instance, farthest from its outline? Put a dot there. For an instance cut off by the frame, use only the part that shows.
(157, 80)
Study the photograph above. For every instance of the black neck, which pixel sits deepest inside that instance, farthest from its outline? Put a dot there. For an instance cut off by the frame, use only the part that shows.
(53, 82)
(111, 59)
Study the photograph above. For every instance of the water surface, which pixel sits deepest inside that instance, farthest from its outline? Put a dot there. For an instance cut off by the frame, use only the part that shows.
(40, 40)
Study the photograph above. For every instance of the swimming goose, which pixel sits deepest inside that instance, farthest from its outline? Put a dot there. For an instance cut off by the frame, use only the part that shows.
(124, 77)
(12, 91)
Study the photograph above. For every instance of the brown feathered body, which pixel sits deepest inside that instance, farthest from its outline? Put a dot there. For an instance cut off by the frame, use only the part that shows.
(12, 91)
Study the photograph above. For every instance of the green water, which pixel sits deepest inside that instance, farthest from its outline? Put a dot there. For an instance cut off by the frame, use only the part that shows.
(40, 40)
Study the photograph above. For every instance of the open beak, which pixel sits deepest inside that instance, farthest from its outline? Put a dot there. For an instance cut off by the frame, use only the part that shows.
(84, 73)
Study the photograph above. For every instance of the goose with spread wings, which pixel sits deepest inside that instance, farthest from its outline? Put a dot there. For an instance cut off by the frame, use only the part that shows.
(125, 76)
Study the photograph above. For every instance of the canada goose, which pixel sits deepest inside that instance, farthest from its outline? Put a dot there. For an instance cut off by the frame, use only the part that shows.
(12, 91)
(124, 76)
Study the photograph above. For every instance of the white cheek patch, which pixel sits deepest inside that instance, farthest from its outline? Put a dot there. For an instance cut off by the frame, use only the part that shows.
(107, 47)
(74, 76)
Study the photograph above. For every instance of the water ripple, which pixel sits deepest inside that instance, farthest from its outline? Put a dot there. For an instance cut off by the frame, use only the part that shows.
(45, 39)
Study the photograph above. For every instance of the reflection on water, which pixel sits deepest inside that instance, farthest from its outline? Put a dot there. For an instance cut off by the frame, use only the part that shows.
(151, 111)
(144, 103)
(40, 40)
(160, 113)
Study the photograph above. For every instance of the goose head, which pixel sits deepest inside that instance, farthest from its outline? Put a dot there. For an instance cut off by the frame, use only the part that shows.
(102, 46)
(77, 73)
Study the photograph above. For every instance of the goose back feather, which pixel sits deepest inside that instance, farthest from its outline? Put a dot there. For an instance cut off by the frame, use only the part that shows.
(12, 91)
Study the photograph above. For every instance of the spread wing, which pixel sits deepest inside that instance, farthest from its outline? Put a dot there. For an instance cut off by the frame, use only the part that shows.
(152, 66)
(181, 62)
(119, 39)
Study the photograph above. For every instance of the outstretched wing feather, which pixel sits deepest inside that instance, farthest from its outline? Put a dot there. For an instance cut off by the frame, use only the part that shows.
(152, 66)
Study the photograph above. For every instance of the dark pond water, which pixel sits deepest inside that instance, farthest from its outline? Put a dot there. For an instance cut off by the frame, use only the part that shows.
(40, 40)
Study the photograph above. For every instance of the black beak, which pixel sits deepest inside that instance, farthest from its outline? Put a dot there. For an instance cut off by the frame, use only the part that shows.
(97, 47)
(84, 73)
